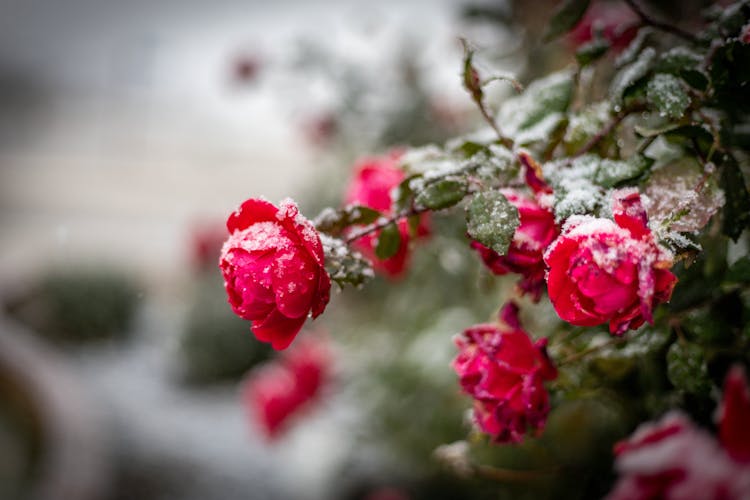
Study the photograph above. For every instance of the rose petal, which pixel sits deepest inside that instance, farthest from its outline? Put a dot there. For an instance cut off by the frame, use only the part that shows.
(294, 282)
(278, 329)
(251, 211)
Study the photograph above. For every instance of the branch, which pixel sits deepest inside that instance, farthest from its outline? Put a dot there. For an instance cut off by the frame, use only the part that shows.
(650, 21)
(383, 222)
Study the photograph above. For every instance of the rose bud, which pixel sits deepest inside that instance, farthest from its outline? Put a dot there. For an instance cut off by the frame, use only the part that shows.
(374, 180)
(273, 269)
(500, 367)
(609, 271)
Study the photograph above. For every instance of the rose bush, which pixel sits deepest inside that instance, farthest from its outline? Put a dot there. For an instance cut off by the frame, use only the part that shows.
(609, 271)
(273, 269)
(504, 372)
(374, 180)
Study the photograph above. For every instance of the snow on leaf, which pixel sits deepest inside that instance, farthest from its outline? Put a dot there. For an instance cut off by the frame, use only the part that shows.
(541, 98)
(667, 94)
(574, 187)
(675, 200)
(492, 220)
(630, 74)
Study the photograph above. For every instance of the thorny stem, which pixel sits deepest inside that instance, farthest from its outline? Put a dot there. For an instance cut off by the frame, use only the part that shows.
(383, 222)
(650, 21)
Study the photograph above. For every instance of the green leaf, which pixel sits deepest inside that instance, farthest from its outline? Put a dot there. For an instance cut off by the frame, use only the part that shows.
(667, 94)
(492, 220)
(585, 124)
(730, 75)
(737, 206)
(565, 18)
(630, 74)
(442, 194)
(345, 266)
(389, 241)
(591, 52)
(686, 368)
(542, 98)
(404, 194)
(613, 172)
(334, 222)
(740, 271)
(470, 148)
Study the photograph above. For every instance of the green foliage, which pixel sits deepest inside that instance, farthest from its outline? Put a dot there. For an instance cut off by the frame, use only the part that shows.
(442, 194)
(389, 241)
(541, 99)
(592, 51)
(344, 265)
(492, 220)
(631, 74)
(686, 368)
(665, 93)
(334, 222)
(737, 207)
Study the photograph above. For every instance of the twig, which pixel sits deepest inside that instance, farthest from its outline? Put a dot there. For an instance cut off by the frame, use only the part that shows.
(650, 21)
(383, 222)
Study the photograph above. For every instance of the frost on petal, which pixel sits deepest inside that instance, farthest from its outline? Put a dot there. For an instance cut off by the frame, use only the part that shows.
(674, 459)
(251, 211)
(629, 212)
(272, 265)
(295, 280)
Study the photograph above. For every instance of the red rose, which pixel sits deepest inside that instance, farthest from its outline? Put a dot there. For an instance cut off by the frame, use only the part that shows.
(537, 229)
(616, 21)
(504, 371)
(673, 459)
(282, 389)
(734, 416)
(602, 270)
(273, 269)
(373, 181)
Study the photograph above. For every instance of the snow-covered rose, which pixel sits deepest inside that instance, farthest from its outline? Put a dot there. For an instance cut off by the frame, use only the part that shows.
(674, 459)
(273, 269)
(609, 271)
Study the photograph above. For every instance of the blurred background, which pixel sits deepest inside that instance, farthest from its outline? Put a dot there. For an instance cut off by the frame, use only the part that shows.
(128, 132)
